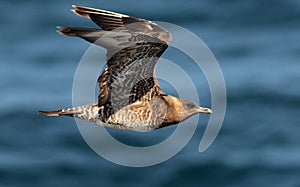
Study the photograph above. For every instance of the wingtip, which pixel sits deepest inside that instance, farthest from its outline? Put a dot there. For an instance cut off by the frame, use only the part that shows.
(80, 13)
(60, 27)
(60, 30)
(71, 31)
(76, 7)
(75, 11)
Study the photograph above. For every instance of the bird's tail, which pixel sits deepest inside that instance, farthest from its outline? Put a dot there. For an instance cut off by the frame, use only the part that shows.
(64, 112)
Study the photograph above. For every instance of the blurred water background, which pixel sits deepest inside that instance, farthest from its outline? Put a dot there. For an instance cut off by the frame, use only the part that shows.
(256, 44)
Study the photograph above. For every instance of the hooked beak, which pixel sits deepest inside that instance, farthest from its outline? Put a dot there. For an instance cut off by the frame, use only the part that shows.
(205, 110)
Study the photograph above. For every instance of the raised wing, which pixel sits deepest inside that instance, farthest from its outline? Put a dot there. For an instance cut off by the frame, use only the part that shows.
(108, 21)
(133, 47)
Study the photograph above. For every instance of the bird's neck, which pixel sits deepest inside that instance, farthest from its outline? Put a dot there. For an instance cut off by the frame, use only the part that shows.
(173, 111)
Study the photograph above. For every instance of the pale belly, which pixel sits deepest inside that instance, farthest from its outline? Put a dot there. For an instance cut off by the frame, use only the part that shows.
(137, 116)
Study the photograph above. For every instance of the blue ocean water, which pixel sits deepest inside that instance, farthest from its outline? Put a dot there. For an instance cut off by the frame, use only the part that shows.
(256, 44)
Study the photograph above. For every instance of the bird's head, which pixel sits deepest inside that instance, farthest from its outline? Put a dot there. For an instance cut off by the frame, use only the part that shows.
(189, 108)
(181, 109)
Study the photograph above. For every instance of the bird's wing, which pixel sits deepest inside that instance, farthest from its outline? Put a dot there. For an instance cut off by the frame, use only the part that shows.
(108, 21)
(129, 77)
(133, 47)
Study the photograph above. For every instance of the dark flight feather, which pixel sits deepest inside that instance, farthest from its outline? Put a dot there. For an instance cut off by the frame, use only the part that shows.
(133, 48)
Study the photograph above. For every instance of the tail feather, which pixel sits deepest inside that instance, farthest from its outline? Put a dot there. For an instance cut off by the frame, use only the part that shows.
(65, 112)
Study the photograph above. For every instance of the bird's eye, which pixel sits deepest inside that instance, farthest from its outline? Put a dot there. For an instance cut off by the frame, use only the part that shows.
(190, 105)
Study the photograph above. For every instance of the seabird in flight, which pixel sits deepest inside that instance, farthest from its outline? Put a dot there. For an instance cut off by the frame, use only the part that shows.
(130, 97)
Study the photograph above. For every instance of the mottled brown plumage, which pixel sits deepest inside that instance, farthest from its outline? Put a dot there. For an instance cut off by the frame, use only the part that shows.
(130, 97)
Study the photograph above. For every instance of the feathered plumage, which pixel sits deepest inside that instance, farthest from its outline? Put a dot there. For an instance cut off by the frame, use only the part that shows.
(130, 97)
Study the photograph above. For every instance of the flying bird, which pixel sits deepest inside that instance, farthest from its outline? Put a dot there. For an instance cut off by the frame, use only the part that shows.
(130, 97)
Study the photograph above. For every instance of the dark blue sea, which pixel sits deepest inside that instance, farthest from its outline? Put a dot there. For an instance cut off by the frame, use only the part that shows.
(257, 45)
